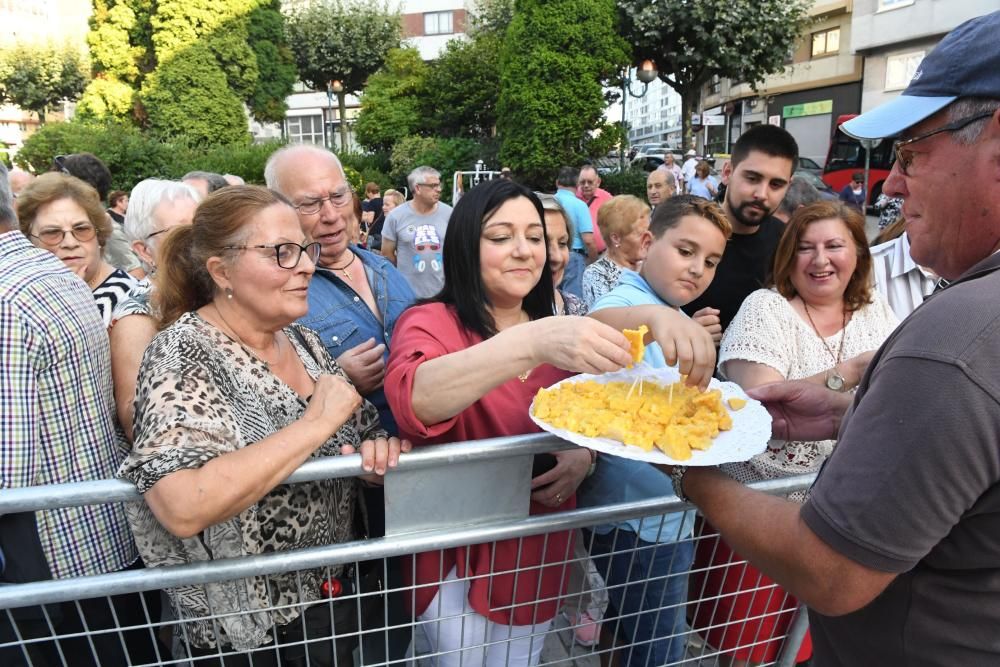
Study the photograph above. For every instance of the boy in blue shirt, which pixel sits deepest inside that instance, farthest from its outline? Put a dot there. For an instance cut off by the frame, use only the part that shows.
(645, 562)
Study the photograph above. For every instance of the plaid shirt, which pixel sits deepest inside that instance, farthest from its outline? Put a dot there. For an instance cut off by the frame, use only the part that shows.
(56, 406)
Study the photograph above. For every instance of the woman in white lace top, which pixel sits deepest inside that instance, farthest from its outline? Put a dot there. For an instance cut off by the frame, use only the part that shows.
(820, 321)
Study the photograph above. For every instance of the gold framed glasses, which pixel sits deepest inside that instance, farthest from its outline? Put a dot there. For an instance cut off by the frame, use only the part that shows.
(904, 156)
(53, 236)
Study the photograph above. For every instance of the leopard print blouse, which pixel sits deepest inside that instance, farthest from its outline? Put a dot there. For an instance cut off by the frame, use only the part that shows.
(199, 396)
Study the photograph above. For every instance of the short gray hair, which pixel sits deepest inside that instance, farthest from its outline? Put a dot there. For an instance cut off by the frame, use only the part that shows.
(671, 179)
(971, 106)
(271, 169)
(144, 199)
(550, 203)
(800, 193)
(419, 175)
(8, 219)
(215, 181)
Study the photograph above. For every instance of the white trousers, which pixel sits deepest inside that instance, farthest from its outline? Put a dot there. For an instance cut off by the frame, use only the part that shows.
(466, 639)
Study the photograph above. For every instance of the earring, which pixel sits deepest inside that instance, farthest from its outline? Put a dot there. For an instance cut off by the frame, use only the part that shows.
(229, 294)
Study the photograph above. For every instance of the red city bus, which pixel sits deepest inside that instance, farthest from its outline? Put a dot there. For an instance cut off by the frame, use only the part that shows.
(846, 156)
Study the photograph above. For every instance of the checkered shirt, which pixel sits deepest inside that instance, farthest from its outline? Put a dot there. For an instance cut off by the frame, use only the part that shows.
(57, 406)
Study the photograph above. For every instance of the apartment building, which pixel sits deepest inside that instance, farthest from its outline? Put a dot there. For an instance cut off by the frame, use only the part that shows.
(313, 116)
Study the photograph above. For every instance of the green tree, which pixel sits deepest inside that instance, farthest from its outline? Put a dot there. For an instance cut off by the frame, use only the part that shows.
(445, 155)
(392, 106)
(691, 42)
(132, 42)
(556, 58)
(462, 88)
(38, 77)
(189, 100)
(342, 40)
(275, 62)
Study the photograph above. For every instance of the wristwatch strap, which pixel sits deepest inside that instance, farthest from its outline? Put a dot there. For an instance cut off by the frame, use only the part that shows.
(677, 479)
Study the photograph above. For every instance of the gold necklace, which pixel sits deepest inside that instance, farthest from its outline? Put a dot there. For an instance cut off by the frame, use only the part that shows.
(343, 269)
(834, 380)
(236, 339)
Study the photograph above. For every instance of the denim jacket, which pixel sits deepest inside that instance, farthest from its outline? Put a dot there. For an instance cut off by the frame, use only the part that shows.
(343, 320)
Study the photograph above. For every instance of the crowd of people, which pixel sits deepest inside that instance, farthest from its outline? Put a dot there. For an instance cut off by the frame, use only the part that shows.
(202, 338)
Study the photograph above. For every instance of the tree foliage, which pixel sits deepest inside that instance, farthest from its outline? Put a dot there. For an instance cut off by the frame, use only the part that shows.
(345, 40)
(445, 155)
(140, 48)
(693, 41)
(463, 86)
(37, 77)
(132, 155)
(392, 106)
(556, 57)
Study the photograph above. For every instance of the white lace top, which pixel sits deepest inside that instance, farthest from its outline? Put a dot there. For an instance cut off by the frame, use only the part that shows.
(766, 330)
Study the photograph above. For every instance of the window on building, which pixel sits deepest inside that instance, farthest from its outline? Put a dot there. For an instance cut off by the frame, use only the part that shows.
(825, 42)
(899, 69)
(715, 86)
(305, 129)
(438, 23)
(893, 4)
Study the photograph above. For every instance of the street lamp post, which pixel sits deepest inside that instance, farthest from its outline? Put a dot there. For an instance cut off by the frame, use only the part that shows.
(337, 87)
(646, 73)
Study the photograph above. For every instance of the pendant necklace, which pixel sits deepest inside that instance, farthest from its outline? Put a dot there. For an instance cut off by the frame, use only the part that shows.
(236, 339)
(834, 380)
(343, 269)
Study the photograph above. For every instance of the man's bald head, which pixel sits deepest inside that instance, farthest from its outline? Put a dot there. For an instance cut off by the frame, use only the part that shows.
(286, 163)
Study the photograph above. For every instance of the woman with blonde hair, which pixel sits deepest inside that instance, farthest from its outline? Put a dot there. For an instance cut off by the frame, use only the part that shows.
(622, 220)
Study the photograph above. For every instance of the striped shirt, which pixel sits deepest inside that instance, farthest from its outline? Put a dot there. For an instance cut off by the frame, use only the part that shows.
(898, 278)
(113, 291)
(56, 406)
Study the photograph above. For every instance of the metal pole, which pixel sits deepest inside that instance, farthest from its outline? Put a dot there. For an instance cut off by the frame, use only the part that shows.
(621, 153)
(793, 640)
(343, 121)
(868, 145)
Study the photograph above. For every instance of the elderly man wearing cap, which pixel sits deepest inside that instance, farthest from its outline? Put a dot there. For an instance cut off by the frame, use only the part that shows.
(897, 551)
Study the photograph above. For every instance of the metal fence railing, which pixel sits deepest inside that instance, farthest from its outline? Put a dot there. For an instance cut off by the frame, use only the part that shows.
(722, 610)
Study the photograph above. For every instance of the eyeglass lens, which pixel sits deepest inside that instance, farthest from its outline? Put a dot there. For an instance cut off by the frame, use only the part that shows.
(289, 254)
(82, 233)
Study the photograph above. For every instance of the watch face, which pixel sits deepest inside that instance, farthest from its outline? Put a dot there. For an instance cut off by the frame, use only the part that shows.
(835, 382)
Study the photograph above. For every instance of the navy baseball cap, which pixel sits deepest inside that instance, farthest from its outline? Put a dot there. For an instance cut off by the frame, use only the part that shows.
(965, 64)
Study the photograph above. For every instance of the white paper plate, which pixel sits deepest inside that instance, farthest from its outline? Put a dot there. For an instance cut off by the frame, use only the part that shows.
(748, 437)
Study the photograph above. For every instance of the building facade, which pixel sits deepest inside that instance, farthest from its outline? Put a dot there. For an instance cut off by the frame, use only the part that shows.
(893, 36)
(821, 81)
(314, 116)
(34, 22)
(655, 117)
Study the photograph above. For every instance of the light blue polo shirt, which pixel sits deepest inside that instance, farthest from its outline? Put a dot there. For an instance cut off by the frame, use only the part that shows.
(578, 214)
(619, 480)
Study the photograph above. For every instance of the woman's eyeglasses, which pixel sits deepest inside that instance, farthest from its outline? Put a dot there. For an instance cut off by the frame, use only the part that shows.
(287, 254)
(82, 232)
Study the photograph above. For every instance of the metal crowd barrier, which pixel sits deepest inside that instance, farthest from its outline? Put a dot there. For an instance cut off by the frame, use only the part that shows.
(363, 620)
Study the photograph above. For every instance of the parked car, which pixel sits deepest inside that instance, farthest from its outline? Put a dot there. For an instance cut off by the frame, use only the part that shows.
(809, 165)
(825, 191)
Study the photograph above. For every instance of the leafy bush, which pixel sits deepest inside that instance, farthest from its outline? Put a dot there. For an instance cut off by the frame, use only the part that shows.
(628, 182)
(445, 155)
(132, 156)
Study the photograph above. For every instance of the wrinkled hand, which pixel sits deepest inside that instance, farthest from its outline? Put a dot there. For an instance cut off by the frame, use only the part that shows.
(379, 455)
(687, 344)
(364, 365)
(579, 344)
(333, 402)
(709, 318)
(554, 487)
(802, 410)
(859, 364)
